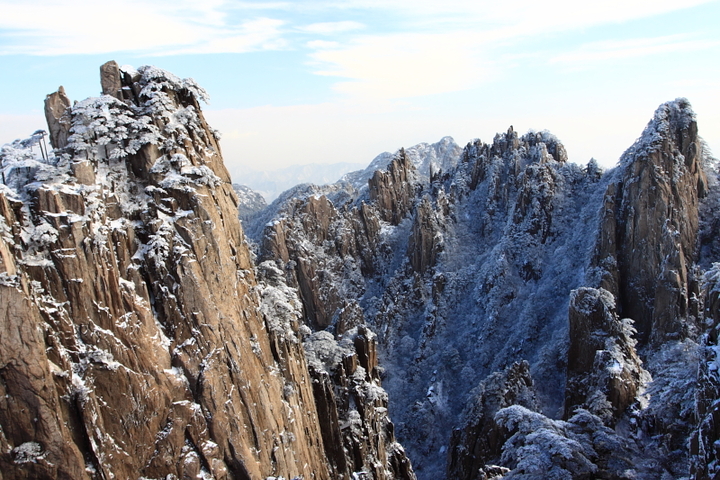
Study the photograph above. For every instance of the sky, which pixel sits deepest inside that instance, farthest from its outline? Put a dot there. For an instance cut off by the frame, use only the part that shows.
(318, 81)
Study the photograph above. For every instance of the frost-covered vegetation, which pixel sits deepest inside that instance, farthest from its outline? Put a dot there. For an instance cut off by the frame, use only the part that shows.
(479, 275)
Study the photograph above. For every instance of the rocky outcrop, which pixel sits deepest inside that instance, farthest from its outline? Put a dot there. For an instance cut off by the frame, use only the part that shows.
(704, 453)
(58, 118)
(137, 339)
(475, 449)
(604, 372)
(324, 252)
(111, 79)
(515, 254)
(392, 190)
(347, 388)
(417, 257)
(426, 238)
(648, 240)
(141, 339)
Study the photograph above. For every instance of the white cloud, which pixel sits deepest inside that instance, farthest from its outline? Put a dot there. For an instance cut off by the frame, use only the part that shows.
(161, 27)
(547, 15)
(406, 65)
(453, 45)
(322, 44)
(52, 27)
(257, 34)
(592, 53)
(327, 28)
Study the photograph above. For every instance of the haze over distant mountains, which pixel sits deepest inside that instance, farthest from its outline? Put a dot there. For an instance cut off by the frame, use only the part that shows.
(272, 183)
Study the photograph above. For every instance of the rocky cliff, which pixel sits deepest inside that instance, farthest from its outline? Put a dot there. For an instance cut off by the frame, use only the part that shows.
(592, 281)
(518, 315)
(138, 338)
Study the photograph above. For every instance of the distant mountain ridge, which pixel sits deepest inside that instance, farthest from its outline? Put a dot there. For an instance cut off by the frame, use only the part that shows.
(271, 183)
(427, 158)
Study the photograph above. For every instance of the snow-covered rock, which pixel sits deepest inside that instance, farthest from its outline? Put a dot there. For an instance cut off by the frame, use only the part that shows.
(465, 271)
(137, 340)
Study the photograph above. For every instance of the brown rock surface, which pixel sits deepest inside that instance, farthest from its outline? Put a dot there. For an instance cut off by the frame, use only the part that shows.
(392, 190)
(58, 117)
(426, 237)
(134, 342)
(347, 387)
(319, 247)
(649, 229)
(110, 79)
(604, 373)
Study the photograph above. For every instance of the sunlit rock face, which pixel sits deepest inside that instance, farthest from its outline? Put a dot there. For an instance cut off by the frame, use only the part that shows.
(137, 340)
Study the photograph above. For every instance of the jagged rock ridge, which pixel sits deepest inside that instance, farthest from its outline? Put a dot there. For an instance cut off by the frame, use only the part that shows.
(138, 340)
(593, 278)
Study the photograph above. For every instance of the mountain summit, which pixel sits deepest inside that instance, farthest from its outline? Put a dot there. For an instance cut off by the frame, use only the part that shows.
(513, 278)
(138, 340)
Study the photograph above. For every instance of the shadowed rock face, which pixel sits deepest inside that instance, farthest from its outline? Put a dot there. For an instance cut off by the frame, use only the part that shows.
(392, 189)
(515, 255)
(604, 373)
(346, 386)
(478, 444)
(648, 240)
(137, 340)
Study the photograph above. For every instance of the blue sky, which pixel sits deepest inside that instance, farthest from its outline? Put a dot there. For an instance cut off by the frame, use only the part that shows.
(325, 82)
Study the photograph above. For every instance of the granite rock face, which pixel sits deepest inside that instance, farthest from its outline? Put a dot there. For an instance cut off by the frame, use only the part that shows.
(520, 316)
(137, 339)
(347, 388)
(704, 453)
(392, 189)
(57, 114)
(477, 447)
(648, 241)
(604, 373)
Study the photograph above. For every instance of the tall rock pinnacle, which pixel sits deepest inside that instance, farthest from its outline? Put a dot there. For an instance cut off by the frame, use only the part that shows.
(137, 341)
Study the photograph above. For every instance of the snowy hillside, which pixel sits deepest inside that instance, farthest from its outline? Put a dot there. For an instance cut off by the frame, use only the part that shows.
(139, 338)
(427, 159)
(515, 255)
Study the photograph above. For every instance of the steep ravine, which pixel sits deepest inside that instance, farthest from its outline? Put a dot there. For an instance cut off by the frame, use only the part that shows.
(513, 255)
